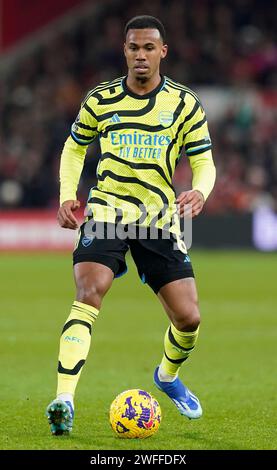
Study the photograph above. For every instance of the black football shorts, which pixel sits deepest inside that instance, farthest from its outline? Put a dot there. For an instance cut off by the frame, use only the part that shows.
(158, 261)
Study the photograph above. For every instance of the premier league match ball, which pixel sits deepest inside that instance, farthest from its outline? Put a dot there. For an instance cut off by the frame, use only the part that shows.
(135, 414)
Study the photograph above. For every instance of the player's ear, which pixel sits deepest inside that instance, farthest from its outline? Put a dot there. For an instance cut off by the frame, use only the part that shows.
(124, 48)
(164, 51)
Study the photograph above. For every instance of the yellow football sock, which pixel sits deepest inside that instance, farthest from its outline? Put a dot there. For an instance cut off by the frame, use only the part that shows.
(74, 346)
(177, 347)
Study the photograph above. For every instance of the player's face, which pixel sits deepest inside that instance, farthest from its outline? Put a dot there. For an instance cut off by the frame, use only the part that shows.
(144, 50)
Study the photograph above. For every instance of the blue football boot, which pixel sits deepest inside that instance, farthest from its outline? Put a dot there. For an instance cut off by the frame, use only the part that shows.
(187, 403)
(60, 416)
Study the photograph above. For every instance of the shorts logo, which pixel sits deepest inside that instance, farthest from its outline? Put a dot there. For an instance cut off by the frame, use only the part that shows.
(87, 241)
(143, 280)
(166, 118)
(187, 259)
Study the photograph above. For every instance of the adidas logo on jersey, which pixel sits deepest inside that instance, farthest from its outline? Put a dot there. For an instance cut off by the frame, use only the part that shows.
(115, 118)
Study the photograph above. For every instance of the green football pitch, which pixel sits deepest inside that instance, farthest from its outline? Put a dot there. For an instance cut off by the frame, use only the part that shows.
(232, 370)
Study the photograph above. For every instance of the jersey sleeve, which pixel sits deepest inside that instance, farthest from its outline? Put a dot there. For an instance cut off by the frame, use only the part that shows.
(85, 127)
(196, 134)
(198, 146)
(71, 165)
(83, 132)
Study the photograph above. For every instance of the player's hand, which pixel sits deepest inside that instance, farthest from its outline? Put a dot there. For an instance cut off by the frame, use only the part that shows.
(190, 203)
(65, 215)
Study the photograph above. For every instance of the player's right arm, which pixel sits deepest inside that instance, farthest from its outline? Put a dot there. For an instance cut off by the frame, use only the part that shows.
(83, 132)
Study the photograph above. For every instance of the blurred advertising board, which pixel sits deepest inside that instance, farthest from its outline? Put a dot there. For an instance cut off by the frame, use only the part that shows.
(34, 230)
(39, 231)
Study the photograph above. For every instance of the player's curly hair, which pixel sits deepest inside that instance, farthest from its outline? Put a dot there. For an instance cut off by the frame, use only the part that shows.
(145, 22)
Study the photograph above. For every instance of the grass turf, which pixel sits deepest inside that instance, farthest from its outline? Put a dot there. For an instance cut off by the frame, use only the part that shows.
(232, 370)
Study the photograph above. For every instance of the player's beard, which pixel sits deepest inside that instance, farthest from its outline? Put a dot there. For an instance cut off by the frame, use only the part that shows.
(142, 80)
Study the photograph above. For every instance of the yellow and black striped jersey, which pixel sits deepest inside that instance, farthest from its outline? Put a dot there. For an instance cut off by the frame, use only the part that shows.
(141, 139)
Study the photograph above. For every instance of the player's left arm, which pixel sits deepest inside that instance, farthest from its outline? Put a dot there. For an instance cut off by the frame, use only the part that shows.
(198, 149)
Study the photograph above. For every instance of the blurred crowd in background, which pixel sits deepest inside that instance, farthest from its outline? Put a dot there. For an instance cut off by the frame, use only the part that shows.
(213, 45)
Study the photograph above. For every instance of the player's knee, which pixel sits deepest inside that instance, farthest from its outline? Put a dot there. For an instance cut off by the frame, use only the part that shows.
(91, 293)
(189, 320)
